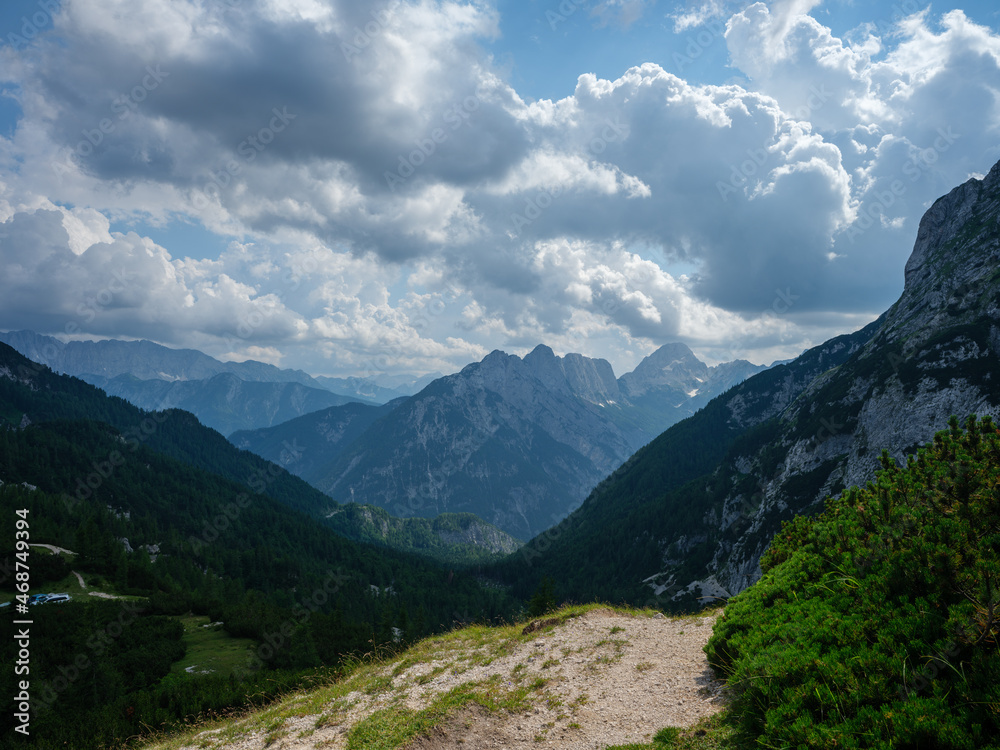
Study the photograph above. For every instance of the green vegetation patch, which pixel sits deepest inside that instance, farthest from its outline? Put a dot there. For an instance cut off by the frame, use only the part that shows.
(712, 733)
(210, 649)
(391, 727)
(876, 623)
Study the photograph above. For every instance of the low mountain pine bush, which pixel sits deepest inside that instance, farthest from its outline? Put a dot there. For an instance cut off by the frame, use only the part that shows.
(876, 623)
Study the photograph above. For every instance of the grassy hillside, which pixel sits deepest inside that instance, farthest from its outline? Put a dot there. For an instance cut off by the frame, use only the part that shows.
(550, 679)
(178, 539)
(876, 625)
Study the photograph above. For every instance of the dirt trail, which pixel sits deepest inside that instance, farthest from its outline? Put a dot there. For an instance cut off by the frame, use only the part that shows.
(53, 548)
(610, 678)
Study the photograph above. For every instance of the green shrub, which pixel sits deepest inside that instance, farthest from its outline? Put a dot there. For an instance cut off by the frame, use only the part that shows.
(875, 624)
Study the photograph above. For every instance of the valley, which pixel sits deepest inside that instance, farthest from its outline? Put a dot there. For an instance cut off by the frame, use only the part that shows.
(460, 374)
(400, 572)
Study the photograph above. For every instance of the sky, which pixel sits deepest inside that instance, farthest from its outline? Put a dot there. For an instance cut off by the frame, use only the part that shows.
(369, 188)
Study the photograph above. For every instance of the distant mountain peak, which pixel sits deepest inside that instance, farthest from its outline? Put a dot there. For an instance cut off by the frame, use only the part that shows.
(945, 231)
(672, 365)
(675, 351)
(541, 351)
(710, 495)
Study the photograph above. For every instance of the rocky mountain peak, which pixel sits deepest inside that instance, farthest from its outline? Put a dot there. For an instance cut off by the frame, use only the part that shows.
(543, 363)
(540, 352)
(955, 258)
(956, 225)
(590, 379)
(672, 365)
(496, 360)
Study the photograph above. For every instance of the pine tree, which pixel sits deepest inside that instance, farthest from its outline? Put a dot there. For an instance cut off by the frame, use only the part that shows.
(544, 598)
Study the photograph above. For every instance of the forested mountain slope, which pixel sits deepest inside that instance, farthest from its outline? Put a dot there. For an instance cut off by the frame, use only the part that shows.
(690, 515)
(519, 442)
(165, 511)
(30, 393)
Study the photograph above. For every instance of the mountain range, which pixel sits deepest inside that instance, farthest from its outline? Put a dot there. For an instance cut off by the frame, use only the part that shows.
(688, 517)
(514, 442)
(518, 442)
(30, 394)
(226, 396)
(163, 514)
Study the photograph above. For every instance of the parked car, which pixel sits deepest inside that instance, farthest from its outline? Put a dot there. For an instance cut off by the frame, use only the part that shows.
(58, 598)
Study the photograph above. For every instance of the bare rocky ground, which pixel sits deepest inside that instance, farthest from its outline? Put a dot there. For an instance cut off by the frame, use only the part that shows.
(601, 678)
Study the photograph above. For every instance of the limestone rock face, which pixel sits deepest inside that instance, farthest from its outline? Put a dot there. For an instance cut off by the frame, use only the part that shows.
(672, 365)
(519, 442)
(691, 513)
(932, 355)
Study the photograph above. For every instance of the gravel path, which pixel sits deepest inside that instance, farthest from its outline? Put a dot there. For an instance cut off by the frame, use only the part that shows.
(611, 678)
(53, 548)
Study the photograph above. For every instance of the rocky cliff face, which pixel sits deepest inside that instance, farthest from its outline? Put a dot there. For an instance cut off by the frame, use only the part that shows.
(307, 445)
(592, 380)
(507, 439)
(691, 513)
(452, 538)
(519, 442)
(934, 355)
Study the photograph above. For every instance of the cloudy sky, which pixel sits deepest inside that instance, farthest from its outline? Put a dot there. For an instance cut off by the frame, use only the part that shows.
(358, 187)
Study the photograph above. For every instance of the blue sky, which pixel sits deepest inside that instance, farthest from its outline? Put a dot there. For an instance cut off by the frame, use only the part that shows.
(353, 188)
